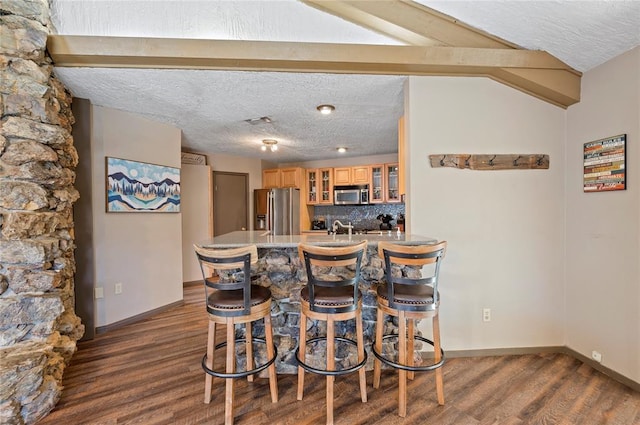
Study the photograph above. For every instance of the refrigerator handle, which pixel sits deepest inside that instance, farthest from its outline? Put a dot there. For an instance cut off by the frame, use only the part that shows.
(269, 212)
(291, 211)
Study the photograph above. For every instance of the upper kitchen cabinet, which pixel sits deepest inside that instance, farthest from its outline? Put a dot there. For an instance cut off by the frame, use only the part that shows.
(360, 174)
(271, 178)
(351, 175)
(292, 177)
(342, 176)
(326, 185)
(282, 177)
(312, 186)
(319, 186)
(391, 181)
(376, 190)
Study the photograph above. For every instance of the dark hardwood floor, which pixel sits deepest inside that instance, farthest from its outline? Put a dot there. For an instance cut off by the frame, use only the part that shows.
(149, 373)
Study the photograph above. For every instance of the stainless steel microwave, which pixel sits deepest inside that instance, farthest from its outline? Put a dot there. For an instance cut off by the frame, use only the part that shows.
(351, 195)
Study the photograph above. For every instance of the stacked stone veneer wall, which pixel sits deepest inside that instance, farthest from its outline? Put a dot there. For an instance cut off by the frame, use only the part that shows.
(282, 271)
(38, 326)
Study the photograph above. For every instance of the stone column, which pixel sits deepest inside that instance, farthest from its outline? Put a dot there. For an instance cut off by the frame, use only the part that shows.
(38, 326)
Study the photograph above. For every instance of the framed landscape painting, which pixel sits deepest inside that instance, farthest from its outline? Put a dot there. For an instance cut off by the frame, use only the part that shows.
(141, 187)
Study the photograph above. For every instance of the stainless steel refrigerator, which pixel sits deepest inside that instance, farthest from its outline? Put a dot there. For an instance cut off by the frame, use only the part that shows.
(277, 210)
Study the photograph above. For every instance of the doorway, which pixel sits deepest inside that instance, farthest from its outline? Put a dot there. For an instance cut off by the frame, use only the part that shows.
(230, 202)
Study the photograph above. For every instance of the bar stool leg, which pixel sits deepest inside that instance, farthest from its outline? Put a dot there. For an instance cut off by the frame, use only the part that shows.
(273, 382)
(402, 359)
(438, 357)
(302, 344)
(231, 357)
(377, 363)
(361, 372)
(331, 365)
(411, 347)
(211, 342)
(249, 349)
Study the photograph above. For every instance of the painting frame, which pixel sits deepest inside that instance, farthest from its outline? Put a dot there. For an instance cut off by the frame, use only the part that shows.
(141, 187)
(605, 164)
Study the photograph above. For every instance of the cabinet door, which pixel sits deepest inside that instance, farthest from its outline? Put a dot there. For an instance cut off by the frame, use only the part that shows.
(326, 185)
(376, 190)
(360, 175)
(342, 176)
(271, 178)
(312, 187)
(391, 179)
(291, 177)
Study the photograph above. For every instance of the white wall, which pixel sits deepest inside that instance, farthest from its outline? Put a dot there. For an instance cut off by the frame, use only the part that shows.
(196, 198)
(504, 228)
(140, 250)
(603, 279)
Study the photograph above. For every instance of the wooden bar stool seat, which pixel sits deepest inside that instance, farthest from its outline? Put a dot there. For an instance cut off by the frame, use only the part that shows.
(331, 298)
(231, 300)
(409, 296)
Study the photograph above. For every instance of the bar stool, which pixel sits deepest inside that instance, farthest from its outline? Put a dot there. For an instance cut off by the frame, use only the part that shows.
(331, 300)
(234, 300)
(408, 299)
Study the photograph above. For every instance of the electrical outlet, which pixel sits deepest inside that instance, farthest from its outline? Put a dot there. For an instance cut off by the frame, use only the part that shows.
(596, 356)
(118, 288)
(98, 293)
(486, 314)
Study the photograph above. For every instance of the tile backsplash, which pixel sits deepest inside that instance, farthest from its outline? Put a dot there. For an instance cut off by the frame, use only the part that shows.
(361, 216)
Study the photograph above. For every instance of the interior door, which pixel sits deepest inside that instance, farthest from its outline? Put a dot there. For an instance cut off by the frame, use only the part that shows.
(230, 202)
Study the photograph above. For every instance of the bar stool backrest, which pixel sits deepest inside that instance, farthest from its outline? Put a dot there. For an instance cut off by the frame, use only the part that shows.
(228, 259)
(411, 255)
(338, 256)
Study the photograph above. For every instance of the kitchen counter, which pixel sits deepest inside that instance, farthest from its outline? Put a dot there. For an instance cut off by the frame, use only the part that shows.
(263, 240)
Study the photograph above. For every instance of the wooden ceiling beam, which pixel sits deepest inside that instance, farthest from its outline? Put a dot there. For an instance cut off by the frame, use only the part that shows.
(169, 52)
(415, 24)
(129, 52)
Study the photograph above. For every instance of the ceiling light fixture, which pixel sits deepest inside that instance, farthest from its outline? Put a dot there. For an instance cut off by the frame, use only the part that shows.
(269, 143)
(342, 149)
(326, 109)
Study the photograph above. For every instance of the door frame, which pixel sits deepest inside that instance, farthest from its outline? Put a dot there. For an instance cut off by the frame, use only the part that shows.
(247, 201)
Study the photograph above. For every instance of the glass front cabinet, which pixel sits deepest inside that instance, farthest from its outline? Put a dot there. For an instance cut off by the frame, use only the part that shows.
(312, 187)
(326, 185)
(319, 186)
(391, 180)
(376, 191)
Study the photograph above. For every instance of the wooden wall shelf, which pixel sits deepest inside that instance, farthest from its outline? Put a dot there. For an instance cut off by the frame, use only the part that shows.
(491, 161)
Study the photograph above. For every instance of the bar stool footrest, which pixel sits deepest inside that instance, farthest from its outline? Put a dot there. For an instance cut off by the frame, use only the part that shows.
(406, 367)
(330, 372)
(253, 371)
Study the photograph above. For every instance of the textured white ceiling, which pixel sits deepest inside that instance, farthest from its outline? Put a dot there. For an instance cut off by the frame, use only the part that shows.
(583, 34)
(211, 106)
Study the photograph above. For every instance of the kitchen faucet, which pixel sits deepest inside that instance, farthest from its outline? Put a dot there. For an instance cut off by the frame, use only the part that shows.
(339, 223)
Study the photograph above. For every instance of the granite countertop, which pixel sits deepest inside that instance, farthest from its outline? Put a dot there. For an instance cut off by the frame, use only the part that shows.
(264, 240)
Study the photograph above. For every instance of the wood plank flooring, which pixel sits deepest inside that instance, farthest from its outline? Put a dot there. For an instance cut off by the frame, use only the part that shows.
(149, 373)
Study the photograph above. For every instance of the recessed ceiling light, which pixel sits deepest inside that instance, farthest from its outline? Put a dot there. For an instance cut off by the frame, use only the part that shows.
(342, 149)
(326, 109)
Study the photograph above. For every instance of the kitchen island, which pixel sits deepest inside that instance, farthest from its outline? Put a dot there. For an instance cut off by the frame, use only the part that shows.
(280, 269)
